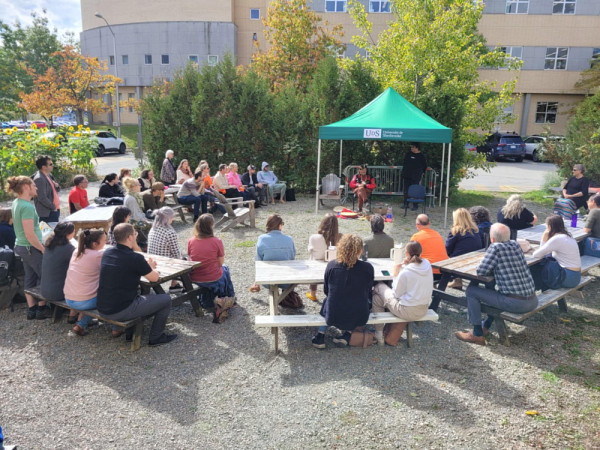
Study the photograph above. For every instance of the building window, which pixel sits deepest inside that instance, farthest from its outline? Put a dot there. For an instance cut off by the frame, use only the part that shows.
(254, 14)
(120, 102)
(125, 59)
(379, 6)
(564, 7)
(517, 6)
(335, 5)
(546, 112)
(213, 60)
(130, 99)
(111, 60)
(556, 58)
(595, 57)
(194, 59)
(147, 59)
(164, 59)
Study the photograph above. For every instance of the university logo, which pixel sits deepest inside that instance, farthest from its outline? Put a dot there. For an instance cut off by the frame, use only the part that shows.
(372, 133)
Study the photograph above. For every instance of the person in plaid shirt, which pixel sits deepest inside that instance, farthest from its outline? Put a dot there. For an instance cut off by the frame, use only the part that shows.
(162, 240)
(516, 290)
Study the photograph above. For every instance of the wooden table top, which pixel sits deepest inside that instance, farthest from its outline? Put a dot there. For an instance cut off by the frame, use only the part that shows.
(309, 271)
(169, 268)
(534, 234)
(92, 213)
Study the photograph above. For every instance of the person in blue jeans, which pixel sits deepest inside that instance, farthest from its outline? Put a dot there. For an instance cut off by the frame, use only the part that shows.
(192, 192)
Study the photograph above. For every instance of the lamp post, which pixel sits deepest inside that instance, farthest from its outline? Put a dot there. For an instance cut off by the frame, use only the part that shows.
(100, 16)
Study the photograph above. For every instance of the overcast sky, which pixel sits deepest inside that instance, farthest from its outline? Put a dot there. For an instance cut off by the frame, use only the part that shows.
(64, 15)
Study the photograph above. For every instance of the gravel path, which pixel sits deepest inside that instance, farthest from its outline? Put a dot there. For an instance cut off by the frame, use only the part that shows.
(221, 386)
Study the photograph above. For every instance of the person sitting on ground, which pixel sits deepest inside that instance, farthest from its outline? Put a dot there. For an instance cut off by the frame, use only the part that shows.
(154, 198)
(558, 242)
(327, 235)
(378, 242)
(463, 238)
(432, 243)
(481, 217)
(118, 299)
(221, 184)
(78, 198)
(504, 260)
(408, 298)
(28, 242)
(348, 289)
(592, 224)
(272, 184)
(7, 230)
(515, 216)
(212, 274)
(83, 277)
(168, 174)
(162, 240)
(146, 179)
(191, 192)
(577, 187)
(274, 245)
(121, 214)
(184, 172)
(55, 263)
(250, 180)
(362, 184)
(233, 178)
(110, 187)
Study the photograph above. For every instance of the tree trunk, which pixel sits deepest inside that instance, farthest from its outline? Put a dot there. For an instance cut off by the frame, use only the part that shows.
(79, 115)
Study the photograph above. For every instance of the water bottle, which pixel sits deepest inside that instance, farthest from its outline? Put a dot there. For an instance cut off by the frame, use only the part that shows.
(574, 220)
(388, 216)
(365, 253)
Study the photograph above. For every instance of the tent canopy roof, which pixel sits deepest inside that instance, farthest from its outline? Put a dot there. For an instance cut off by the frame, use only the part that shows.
(388, 117)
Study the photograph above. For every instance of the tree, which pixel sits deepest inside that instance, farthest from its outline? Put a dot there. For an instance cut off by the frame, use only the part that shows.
(70, 86)
(297, 39)
(431, 54)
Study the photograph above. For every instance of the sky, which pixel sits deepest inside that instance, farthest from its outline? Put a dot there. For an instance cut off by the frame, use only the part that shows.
(64, 15)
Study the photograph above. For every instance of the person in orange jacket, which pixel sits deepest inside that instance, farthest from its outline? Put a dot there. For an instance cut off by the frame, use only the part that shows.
(362, 185)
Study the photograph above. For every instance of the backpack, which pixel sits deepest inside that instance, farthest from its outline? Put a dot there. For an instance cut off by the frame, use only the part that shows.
(7, 262)
(553, 274)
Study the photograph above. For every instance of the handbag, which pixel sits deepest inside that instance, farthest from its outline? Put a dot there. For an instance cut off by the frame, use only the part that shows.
(292, 300)
(360, 337)
(290, 195)
(222, 307)
(591, 247)
(553, 274)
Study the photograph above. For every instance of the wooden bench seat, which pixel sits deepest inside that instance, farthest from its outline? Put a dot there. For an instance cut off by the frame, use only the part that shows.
(137, 324)
(588, 262)
(316, 320)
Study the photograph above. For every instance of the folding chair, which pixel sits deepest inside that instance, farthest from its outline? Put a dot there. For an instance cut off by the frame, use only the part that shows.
(416, 194)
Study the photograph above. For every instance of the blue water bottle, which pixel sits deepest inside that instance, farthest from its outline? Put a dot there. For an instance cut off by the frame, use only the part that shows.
(574, 220)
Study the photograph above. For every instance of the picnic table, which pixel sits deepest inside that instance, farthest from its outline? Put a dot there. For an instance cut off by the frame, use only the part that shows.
(534, 234)
(92, 216)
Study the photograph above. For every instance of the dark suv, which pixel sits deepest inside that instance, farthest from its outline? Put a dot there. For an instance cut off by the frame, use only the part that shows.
(503, 145)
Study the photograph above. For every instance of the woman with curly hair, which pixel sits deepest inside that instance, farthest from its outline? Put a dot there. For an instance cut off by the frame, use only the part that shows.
(515, 216)
(481, 217)
(348, 288)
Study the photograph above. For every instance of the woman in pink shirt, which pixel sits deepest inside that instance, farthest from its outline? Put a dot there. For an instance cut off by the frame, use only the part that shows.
(233, 178)
(83, 276)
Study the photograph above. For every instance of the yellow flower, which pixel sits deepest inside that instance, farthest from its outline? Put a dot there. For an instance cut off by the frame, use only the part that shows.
(44, 130)
(77, 134)
(19, 143)
(15, 159)
(71, 128)
(97, 132)
(8, 131)
(33, 126)
(75, 152)
(28, 137)
(79, 127)
(15, 129)
(87, 129)
(45, 141)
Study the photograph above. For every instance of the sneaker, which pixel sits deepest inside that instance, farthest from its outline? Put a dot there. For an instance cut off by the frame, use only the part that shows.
(318, 340)
(311, 297)
(72, 319)
(43, 312)
(470, 337)
(163, 339)
(31, 313)
(344, 339)
(176, 289)
(79, 331)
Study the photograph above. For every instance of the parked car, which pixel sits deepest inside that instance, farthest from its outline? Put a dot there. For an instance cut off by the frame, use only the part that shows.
(107, 141)
(503, 145)
(534, 146)
(37, 123)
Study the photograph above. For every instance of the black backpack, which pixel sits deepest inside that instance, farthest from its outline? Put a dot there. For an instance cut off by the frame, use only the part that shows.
(7, 262)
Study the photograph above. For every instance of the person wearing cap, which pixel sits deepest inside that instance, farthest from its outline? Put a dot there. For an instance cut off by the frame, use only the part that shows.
(271, 182)
(255, 188)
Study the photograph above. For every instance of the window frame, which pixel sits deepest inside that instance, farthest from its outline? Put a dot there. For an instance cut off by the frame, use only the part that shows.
(517, 4)
(211, 63)
(130, 96)
(336, 3)
(379, 2)
(564, 4)
(125, 60)
(547, 114)
(595, 59)
(148, 59)
(195, 61)
(162, 59)
(111, 60)
(254, 10)
(556, 58)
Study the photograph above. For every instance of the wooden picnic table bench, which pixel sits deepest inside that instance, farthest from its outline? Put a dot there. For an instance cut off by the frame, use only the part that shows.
(534, 234)
(92, 216)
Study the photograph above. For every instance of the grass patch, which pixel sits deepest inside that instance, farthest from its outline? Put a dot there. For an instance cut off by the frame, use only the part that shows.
(538, 197)
(466, 199)
(563, 369)
(550, 377)
(244, 244)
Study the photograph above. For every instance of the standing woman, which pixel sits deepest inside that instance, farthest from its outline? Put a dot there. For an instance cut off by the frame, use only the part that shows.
(463, 238)
(515, 216)
(110, 187)
(83, 276)
(162, 240)
(28, 243)
(183, 171)
(167, 171)
(327, 235)
(576, 188)
(348, 289)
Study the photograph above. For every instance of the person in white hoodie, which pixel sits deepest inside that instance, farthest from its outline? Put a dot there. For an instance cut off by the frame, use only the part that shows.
(408, 298)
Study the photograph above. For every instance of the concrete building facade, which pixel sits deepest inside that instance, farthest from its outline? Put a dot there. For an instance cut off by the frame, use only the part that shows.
(555, 39)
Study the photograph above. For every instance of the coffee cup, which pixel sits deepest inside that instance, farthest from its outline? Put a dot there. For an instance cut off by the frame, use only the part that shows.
(331, 253)
(397, 253)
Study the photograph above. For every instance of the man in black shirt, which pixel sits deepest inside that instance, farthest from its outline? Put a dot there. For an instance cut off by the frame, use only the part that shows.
(118, 297)
(413, 169)
(250, 180)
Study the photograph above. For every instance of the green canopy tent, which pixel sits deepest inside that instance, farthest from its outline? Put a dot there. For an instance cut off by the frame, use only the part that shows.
(388, 117)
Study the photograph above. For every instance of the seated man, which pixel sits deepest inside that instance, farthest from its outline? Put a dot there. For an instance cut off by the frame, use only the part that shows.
(504, 260)
(154, 198)
(191, 192)
(271, 183)
(434, 247)
(78, 196)
(255, 188)
(118, 299)
(592, 224)
(379, 243)
(362, 184)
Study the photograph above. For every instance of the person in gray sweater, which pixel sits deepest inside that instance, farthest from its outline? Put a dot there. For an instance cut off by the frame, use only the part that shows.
(379, 243)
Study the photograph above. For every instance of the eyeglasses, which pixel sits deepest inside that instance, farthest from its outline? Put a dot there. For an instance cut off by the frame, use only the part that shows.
(575, 170)
(50, 164)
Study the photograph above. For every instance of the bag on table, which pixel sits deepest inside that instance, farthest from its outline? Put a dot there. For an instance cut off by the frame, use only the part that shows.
(292, 300)
(591, 247)
(222, 307)
(360, 337)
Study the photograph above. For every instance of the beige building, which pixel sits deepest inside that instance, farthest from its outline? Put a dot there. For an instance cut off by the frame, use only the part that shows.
(556, 40)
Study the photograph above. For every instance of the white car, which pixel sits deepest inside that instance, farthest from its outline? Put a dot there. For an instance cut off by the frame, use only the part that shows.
(533, 146)
(107, 141)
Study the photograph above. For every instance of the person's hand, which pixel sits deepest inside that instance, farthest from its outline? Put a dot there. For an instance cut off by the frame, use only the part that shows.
(260, 185)
(406, 261)
(152, 263)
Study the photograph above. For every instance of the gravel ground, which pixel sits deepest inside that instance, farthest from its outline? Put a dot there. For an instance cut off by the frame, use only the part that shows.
(221, 386)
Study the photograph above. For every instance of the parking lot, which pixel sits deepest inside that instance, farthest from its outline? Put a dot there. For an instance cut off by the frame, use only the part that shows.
(510, 176)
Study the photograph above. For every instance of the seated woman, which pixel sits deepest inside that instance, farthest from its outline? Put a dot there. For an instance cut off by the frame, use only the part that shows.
(154, 199)
(83, 276)
(133, 200)
(121, 214)
(233, 178)
(515, 216)
(184, 171)
(123, 173)
(481, 217)
(55, 263)
(110, 187)
(162, 240)
(212, 274)
(7, 230)
(146, 179)
(327, 235)
(576, 188)
(348, 288)
(557, 241)
(463, 238)
(409, 296)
